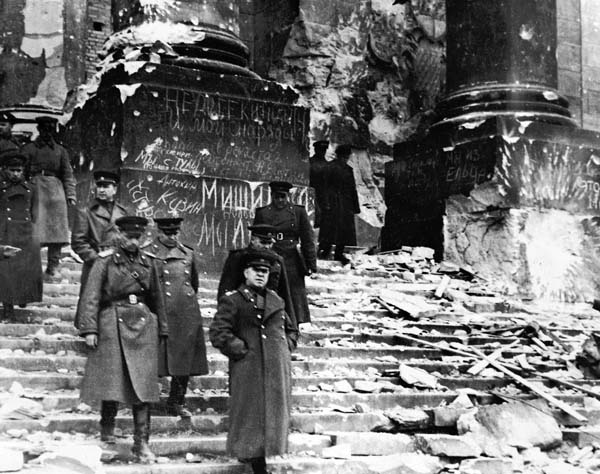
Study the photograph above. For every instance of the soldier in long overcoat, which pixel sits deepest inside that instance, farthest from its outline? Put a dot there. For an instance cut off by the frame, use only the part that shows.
(50, 172)
(337, 222)
(122, 316)
(185, 352)
(262, 237)
(252, 329)
(294, 241)
(95, 231)
(20, 278)
(318, 178)
(7, 141)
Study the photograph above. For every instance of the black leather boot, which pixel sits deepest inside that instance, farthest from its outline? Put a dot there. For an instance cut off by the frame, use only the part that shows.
(141, 434)
(176, 400)
(108, 412)
(259, 466)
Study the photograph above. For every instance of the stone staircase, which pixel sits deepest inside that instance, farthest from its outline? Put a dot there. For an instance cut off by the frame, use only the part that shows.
(350, 340)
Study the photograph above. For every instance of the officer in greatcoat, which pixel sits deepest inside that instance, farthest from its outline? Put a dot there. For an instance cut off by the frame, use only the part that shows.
(122, 317)
(7, 141)
(50, 172)
(337, 221)
(262, 237)
(318, 178)
(294, 241)
(21, 277)
(252, 329)
(94, 230)
(184, 354)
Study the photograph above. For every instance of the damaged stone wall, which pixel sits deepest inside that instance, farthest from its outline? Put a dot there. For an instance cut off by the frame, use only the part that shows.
(369, 71)
(41, 50)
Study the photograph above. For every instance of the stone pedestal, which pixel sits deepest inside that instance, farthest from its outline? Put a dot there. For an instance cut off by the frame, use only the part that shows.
(194, 135)
(503, 181)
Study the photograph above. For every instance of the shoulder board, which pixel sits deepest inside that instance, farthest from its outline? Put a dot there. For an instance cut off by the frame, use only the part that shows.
(106, 253)
(232, 292)
(299, 206)
(145, 253)
(146, 244)
(187, 247)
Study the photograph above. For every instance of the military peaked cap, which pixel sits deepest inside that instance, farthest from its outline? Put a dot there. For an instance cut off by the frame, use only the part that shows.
(343, 150)
(46, 119)
(264, 231)
(168, 223)
(258, 259)
(7, 117)
(131, 223)
(280, 186)
(106, 176)
(12, 158)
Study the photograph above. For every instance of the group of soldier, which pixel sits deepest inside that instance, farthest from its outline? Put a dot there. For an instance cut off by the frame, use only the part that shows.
(138, 309)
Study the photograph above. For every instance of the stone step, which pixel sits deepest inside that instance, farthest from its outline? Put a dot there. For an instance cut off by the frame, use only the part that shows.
(167, 445)
(205, 424)
(57, 290)
(76, 363)
(56, 344)
(43, 381)
(287, 465)
(307, 336)
(218, 400)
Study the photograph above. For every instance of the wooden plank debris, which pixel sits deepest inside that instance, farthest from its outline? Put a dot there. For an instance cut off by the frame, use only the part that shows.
(533, 388)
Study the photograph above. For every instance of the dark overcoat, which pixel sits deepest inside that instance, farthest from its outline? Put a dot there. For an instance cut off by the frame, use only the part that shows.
(50, 172)
(337, 221)
(122, 304)
(178, 269)
(232, 277)
(8, 144)
(94, 230)
(295, 243)
(20, 277)
(257, 336)
(319, 180)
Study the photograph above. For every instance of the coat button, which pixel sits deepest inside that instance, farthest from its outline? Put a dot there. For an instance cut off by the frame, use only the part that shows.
(282, 337)
(262, 326)
(168, 294)
(187, 272)
(259, 316)
(264, 336)
(167, 283)
(187, 283)
(121, 319)
(190, 294)
(166, 272)
(8, 218)
(143, 319)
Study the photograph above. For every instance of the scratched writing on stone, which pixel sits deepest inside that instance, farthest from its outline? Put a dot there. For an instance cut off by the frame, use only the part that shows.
(233, 117)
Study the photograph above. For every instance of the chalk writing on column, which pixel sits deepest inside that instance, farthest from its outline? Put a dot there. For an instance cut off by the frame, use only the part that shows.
(217, 211)
(200, 112)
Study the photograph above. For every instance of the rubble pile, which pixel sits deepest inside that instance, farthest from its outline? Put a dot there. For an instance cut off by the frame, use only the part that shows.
(409, 366)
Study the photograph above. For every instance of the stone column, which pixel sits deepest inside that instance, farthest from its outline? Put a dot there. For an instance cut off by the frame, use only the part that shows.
(192, 130)
(504, 181)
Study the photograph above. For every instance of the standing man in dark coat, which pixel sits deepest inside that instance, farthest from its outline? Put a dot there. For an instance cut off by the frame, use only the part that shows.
(261, 238)
(252, 329)
(50, 172)
(7, 142)
(337, 223)
(21, 277)
(319, 168)
(292, 230)
(185, 351)
(122, 317)
(95, 231)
